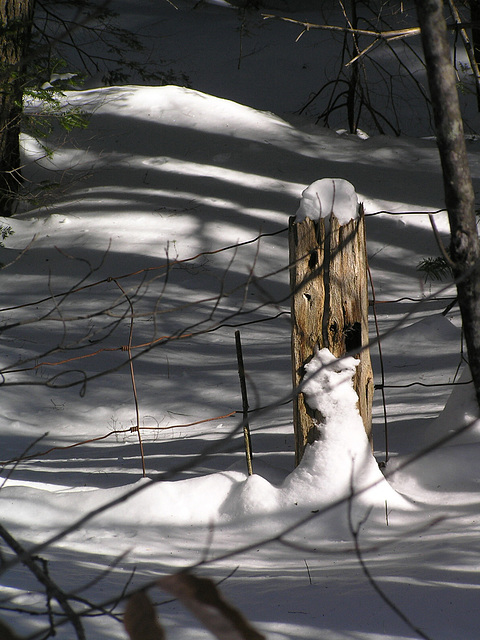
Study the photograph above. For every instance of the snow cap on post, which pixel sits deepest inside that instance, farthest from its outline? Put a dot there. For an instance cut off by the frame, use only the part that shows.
(326, 196)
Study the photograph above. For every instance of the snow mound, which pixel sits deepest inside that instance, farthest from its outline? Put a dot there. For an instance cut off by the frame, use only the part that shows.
(337, 466)
(447, 474)
(181, 107)
(329, 196)
(341, 461)
(460, 414)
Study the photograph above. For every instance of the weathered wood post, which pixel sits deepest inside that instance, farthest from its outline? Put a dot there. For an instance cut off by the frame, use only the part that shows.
(329, 294)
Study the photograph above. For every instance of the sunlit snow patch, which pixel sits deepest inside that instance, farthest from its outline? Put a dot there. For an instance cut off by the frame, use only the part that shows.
(326, 196)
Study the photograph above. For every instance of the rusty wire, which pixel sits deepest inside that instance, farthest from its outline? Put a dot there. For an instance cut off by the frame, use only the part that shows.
(129, 347)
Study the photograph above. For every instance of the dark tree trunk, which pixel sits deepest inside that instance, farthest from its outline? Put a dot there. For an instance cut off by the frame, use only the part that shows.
(459, 194)
(353, 84)
(475, 18)
(15, 27)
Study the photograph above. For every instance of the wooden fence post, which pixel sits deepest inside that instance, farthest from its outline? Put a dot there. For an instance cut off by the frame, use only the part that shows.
(329, 302)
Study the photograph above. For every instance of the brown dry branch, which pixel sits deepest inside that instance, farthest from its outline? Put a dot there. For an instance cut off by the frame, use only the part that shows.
(140, 620)
(20, 255)
(355, 92)
(377, 35)
(204, 600)
(384, 35)
(46, 363)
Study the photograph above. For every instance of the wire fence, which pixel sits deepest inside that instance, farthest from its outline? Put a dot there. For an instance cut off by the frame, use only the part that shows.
(122, 309)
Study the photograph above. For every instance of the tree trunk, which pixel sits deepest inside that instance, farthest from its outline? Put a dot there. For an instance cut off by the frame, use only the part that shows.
(15, 27)
(475, 20)
(459, 194)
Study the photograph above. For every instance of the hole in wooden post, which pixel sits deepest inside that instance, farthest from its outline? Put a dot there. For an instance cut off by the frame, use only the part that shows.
(313, 260)
(307, 296)
(353, 337)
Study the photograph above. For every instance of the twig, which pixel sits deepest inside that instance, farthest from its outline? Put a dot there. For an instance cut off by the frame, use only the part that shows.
(372, 548)
(43, 578)
(132, 376)
(17, 460)
(308, 571)
(20, 254)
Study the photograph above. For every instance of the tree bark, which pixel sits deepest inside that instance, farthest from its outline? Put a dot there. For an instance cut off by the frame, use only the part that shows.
(459, 194)
(15, 27)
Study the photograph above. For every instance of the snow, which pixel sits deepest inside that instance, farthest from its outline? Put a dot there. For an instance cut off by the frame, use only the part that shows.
(340, 462)
(162, 179)
(329, 196)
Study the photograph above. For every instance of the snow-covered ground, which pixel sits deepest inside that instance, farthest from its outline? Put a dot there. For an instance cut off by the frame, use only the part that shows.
(147, 197)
